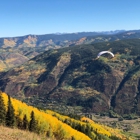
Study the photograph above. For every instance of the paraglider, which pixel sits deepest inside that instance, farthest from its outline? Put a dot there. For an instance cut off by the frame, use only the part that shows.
(103, 52)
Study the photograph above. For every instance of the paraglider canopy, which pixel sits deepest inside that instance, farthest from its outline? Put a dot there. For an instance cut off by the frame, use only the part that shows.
(103, 52)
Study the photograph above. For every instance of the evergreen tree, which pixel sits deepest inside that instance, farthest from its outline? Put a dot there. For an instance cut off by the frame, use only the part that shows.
(88, 129)
(2, 110)
(96, 138)
(18, 121)
(72, 138)
(83, 128)
(10, 115)
(49, 133)
(32, 124)
(73, 124)
(25, 122)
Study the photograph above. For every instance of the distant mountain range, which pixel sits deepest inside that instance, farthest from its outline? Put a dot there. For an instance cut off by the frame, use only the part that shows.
(17, 50)
(94, 33)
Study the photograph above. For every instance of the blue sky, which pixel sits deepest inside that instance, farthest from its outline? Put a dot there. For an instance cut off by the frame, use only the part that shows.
(22, 17)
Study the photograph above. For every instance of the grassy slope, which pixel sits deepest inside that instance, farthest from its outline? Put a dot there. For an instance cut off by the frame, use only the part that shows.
(16, 134)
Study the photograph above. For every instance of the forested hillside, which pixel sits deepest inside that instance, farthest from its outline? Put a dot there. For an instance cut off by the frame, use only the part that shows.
(72, 79)
(16, 114)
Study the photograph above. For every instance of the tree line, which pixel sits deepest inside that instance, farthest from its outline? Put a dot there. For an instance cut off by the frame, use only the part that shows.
(9, 119)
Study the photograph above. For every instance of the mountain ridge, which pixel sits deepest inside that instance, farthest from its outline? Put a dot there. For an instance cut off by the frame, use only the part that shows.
(30, 46)
(62, 77)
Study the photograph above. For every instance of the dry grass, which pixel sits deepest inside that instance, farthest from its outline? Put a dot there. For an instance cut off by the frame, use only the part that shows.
(16, 134)
(130, 126)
